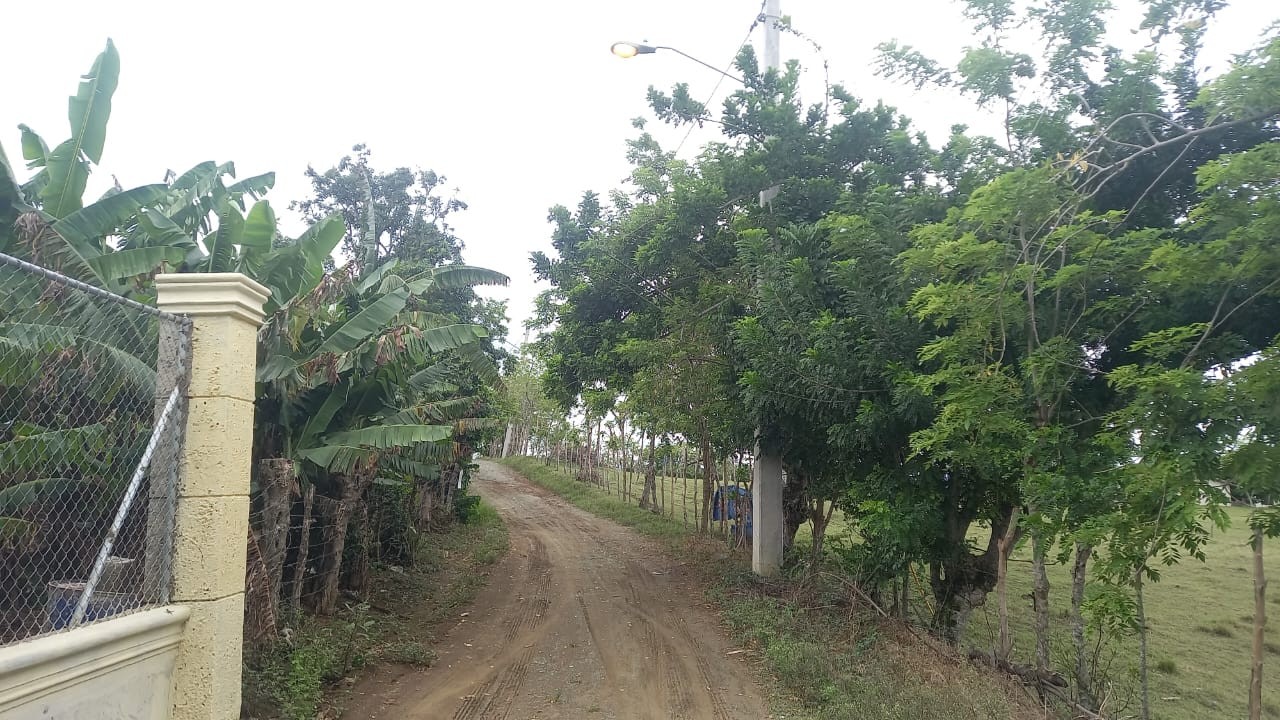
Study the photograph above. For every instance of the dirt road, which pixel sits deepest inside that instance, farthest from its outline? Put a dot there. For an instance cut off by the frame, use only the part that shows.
(583, 619)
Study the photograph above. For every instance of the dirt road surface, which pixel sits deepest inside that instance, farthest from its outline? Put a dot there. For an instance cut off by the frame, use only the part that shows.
(582, 619)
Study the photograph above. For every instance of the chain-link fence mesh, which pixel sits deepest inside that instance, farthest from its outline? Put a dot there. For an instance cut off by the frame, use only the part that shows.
(91, 420)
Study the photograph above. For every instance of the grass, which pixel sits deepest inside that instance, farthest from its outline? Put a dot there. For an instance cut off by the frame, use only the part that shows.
(1200, 619)
(319, 658)
(599, 502)
(827, 660)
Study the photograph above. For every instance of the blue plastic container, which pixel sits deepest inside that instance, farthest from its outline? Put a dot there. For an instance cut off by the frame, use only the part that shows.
(63, 597)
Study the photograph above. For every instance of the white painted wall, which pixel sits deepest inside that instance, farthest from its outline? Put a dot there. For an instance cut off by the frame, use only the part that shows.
(110, 670)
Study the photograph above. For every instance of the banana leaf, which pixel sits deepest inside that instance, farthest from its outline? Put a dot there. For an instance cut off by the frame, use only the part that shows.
(450, 277)
(364, 324)
(89, 225)
(20, 498)
(89, 110)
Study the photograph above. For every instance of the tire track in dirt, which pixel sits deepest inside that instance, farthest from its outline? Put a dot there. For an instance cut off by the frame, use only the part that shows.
(718, 707)
(582, 619)
(493, 700)
(535, 604)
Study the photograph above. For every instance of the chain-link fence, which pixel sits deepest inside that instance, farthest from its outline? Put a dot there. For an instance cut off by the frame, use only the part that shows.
(91, 420)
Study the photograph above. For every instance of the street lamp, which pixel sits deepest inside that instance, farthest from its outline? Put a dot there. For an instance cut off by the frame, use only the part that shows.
(628, 50)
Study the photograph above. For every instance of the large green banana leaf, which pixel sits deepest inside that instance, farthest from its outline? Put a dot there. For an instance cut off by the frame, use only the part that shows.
(221, 244)
(36, 153)
(12, 201)
(259, 228)
(450, 277)
(374, 277)
(122, 264)
(432, 376)
(14, 531)
(49, 451)
(293, 271)
(90, 108)
(105, 217)
(440, 339)
(255, 187)
(480, 363)
(255, 241)
(159, 230)
(365, 323)
(21, 497)
(344, 451)
(381, 437)
(34, 149)
(318, 422)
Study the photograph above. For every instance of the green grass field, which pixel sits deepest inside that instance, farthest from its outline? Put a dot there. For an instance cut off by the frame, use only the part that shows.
(1200, 617)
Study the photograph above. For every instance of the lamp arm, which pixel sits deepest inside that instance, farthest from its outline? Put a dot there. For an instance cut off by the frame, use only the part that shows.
(707, 65)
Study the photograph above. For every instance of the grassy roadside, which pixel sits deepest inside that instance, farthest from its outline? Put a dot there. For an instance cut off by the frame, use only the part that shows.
(828, 659)
(307, 673)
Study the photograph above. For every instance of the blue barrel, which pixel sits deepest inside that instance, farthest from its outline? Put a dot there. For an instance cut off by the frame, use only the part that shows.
(63, 597)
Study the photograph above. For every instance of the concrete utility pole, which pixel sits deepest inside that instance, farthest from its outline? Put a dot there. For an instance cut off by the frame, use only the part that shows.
(766, 482)
(772, 54)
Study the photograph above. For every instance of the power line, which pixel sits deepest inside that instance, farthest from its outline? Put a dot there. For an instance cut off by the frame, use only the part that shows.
(728, 66)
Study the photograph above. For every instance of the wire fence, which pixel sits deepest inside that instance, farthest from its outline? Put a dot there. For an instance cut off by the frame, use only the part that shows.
(92, 413)
(294, 562)
(680, 495)
(310, 553)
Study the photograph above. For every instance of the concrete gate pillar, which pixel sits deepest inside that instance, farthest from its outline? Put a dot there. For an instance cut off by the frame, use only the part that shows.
(212, 509)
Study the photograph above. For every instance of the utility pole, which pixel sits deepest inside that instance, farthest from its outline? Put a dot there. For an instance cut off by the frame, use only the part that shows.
(767, 527)
(772, 15)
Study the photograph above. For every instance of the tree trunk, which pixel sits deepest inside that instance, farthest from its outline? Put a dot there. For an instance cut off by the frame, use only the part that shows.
(1259, 626)
(959, 579)
(684, 485)
(599, 442)
(1004, 647)
(584, 463)
(1040, 600)
(259, 604)
(820, 516)
(357, 579)
(795, 506)
(650, 492)
(1143, 676)
(506, 441)
(662, 488)
(722, 486)
(331, 573)
(1084, 680)
(904, 606)
(304, 546)
(275, 477)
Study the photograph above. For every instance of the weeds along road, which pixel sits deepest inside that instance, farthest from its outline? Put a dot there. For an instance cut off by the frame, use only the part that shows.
(582, 619)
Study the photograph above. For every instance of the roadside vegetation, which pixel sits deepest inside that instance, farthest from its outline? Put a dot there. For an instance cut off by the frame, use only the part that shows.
(375, 376)
(828, 655)
(1023, 386)
(310, 673)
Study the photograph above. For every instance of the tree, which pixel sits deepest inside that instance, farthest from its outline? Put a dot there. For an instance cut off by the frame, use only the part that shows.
(410, 215)
(368, 373)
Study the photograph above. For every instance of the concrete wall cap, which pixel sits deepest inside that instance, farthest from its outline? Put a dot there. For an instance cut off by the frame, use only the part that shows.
(83, 639)
(203, 294)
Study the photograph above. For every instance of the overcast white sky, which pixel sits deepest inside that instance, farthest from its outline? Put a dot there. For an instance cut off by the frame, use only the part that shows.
(520, 104)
